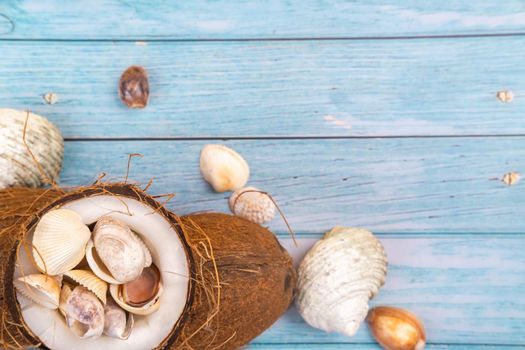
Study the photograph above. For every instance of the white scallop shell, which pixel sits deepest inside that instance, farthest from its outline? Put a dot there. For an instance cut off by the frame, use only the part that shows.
(223, 168)
(84, 313)
(120, 250)
(41, 289)
(338, 277)
(254, 206)
(118, 323)
(147, 309)
(17, 167)
(60, 240)
(89, 280)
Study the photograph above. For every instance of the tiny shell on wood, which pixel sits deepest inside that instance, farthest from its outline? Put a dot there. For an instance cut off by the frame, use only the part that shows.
(133, 87)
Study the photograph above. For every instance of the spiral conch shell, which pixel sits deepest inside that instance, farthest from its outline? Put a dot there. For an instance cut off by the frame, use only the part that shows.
(83, 311)
(59, 241)
(120, 255)
(338, 277)
(252, 204)
(223, 168)
(17, 166)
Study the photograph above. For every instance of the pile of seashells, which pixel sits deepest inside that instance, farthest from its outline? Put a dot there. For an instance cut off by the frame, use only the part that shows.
(77, 267)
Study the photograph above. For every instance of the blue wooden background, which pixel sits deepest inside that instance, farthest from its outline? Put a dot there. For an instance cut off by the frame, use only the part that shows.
(373, 113)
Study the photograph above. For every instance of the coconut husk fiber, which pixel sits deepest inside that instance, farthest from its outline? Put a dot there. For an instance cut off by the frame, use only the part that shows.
(242, 280)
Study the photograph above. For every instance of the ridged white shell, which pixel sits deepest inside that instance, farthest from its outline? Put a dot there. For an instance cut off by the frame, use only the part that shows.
(223, 168)
(17, 167)
(89, 280)
(121, 251)
(254, 206)
(60, 240)
(118, 323)
(41, 289)
(338, 277)
(84, 313)
(147, 309)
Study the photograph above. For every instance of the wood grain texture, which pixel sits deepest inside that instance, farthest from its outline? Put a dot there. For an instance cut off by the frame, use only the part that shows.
(245, 89)
(387, 185)
(206, 19)
(366, 346)
(465, 288)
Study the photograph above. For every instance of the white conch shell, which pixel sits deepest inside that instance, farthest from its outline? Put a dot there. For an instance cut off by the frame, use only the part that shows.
(120, 250)
(84, 313)
(17, 166)
(223, 168)
(89, 280)
(41, 289)
(118, 323)
(337, 278)
(60, 240)
(254, 206)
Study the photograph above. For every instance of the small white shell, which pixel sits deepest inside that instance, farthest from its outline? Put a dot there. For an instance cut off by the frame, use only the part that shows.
(118, 323)
(17, 167)
(60, 240)
(119, 249)
(41, 289)
(90, 281)
(337, 278)
(254, 206)
(84, 313)
(223, 168)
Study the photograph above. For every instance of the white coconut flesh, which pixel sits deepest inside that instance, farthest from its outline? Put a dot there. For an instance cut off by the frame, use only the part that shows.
(168, 255)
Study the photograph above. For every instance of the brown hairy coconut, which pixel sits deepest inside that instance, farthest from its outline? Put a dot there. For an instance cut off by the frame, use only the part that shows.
(225, 279)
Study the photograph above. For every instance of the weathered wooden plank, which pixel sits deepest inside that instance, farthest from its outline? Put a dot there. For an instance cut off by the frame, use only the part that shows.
(201, 19)
(421, 87)
(388, 185)
(368, 346)
(467, 289)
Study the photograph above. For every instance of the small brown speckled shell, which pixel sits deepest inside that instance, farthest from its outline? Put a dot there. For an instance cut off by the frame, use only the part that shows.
(133, 87)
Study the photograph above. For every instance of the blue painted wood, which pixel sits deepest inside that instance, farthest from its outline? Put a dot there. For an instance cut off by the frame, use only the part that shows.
(388, 185)
(335, 88)
(346, 346)
(466, 289)
(113, 19)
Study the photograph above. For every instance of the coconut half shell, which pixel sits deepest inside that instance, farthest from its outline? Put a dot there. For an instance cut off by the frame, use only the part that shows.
(255, 273)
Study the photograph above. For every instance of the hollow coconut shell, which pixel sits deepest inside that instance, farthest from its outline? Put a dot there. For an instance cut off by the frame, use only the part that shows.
(42, 138)
(255, 274)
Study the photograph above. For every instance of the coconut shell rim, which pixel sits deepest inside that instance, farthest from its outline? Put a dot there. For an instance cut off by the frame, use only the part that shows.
(123, 190)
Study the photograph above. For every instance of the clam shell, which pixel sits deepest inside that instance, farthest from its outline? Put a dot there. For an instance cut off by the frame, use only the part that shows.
(89, 280)
(17, 166)
(338, 277)
(97, 266)
(41, 289)
(254, 206)
(223, 168)
(84, 313)
(60, 239)
(149, 308)
(121, 250)
(118, 323)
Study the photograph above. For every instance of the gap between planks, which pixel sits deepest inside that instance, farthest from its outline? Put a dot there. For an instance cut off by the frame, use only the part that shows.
(267, 39)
